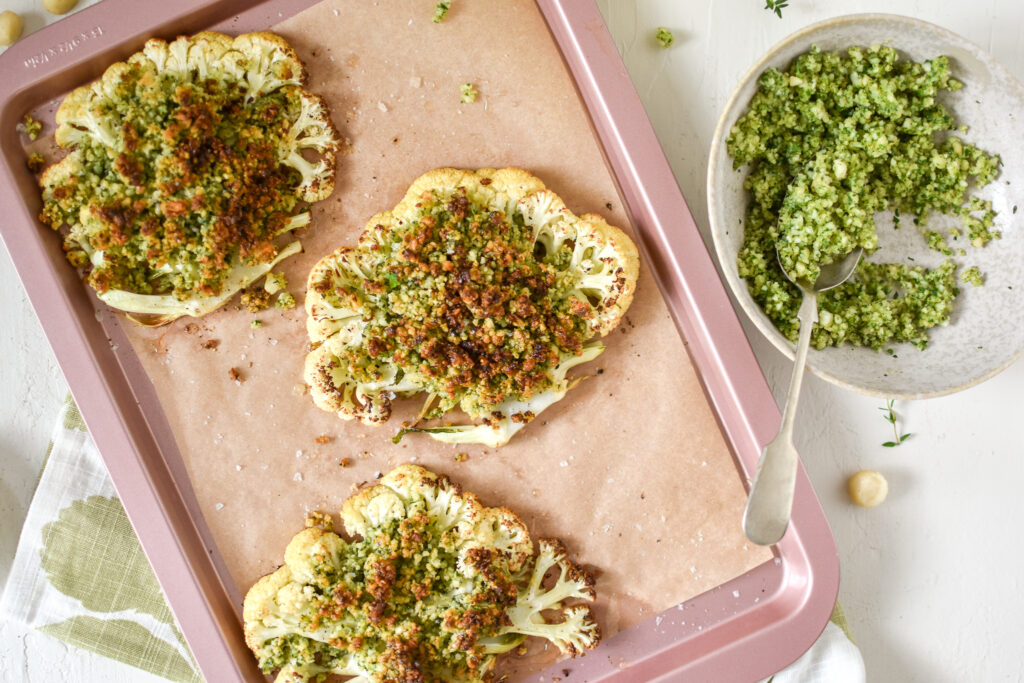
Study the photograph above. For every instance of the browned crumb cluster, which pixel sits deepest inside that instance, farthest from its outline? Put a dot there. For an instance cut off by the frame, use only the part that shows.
(488, 321)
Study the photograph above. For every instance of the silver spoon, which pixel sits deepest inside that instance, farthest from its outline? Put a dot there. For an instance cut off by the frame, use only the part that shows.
(771, 495)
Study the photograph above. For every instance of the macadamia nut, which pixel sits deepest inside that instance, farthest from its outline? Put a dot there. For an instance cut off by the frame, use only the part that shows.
(11, 26)
(868, 488)
(59, 6)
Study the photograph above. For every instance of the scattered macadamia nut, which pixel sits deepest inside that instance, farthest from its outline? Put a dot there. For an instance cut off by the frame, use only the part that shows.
(59, 6)
(868, 488)
(11, 26)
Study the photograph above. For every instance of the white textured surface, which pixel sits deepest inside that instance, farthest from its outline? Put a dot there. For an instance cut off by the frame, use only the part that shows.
(931, 579)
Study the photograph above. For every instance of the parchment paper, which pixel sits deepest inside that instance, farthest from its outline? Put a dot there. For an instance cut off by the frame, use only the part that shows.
(630, 470)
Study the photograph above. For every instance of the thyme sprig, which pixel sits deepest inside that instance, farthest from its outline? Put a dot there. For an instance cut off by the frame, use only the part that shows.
(890, 416)
(776, 6)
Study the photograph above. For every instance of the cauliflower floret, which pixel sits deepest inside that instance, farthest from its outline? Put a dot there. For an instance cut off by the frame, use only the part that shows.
(434, 583)
(577, 631)
(312, 130)
(479, 288)
(212, 223)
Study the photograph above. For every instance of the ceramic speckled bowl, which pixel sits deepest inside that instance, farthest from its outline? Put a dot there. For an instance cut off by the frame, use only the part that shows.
(986, 331)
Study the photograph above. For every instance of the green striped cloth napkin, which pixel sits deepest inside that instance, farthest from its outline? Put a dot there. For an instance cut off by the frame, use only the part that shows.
(79, 575)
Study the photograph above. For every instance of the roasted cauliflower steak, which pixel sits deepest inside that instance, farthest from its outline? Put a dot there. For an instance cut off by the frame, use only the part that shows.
(189, 165)
(432, 586)
(481, 289)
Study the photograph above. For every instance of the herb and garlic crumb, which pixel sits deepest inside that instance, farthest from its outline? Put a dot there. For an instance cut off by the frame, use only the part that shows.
(441, 11)
(832, 142)
(32, 127)
(255, 299)
(275, 282)
(285, 300)
(972, 276)
(35, 162)
(664, 37)
(469, 93)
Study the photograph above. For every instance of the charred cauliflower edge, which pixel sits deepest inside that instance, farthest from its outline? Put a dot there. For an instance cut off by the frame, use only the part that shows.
(312, 617)
(259, 62)
(603, 256)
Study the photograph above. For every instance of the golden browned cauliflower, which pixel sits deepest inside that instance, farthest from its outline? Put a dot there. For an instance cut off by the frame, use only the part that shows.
(481, 289)
(187, 171)
(432, 586)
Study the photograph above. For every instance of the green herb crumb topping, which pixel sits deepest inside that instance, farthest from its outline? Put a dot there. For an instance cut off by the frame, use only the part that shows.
(462, 299)
(832, 142)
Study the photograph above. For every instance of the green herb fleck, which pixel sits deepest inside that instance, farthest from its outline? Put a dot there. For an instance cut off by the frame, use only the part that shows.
(776, 6)
(441, 11)
(891, 417)
(256, 324)
(391, 279)
(397, 438)
(468, 93)
(664, 37)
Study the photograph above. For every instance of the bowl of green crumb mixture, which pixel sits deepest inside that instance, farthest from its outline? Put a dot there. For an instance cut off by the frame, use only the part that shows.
(894, 135)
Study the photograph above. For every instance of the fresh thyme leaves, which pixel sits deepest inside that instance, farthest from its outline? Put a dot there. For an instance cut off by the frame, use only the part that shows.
(891, 417)
(776, 6)
(441, 11)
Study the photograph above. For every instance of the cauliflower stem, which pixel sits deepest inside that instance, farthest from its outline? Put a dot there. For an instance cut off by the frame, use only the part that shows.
(500, 426)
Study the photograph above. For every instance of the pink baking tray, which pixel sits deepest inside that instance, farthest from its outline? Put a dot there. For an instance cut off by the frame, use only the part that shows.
(743, 630)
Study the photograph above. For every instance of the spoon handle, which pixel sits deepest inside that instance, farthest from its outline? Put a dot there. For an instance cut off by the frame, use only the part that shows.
(771, 495)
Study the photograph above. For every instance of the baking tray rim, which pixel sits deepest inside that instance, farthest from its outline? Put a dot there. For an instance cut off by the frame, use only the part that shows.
(749, 644)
